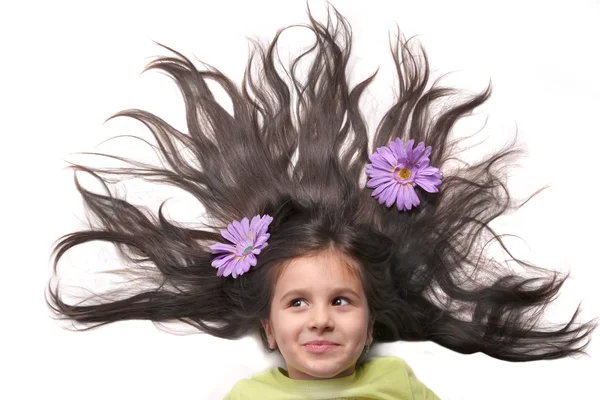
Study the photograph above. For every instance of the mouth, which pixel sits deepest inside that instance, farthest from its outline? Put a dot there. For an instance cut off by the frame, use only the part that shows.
(320, 347)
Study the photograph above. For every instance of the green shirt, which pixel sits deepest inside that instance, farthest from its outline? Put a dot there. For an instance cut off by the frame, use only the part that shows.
(383, 378)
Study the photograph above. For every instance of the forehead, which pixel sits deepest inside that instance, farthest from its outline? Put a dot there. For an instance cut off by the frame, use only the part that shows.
(321, 270)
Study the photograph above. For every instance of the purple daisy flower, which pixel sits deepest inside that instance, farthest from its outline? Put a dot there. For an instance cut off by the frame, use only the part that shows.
(247, 240)
(396, 169)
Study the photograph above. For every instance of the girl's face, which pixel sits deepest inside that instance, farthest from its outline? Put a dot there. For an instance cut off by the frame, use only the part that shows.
(319, 298)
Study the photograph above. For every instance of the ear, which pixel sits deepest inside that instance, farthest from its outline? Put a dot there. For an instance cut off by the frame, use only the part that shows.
(269, 332)
(370, 332)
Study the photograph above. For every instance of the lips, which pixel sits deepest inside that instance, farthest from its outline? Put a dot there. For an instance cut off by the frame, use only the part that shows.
(321, 343)
(321, 346)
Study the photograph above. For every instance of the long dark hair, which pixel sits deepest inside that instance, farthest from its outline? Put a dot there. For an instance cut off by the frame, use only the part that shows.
(425, 271)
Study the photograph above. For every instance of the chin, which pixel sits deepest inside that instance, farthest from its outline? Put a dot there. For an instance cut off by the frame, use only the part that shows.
(326, 369)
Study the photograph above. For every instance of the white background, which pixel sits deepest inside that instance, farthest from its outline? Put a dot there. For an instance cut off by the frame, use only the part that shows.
(66, 67)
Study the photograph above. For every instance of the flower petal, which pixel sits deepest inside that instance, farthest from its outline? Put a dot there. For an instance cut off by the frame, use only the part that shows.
(417, 152)
(388, 156)
(423, 163)
(382, 196)
(429, 179)
(243, 266)
(222, 247)
(230, 267)
(378, 161)
(382, 187)
(234, 231)
(428, 184)
(397, 147)
(222, 260)
(245, 226)
(430, 171)
(251, 261)
(426, 153)
(264, 225)
(238, 230)
(255, 223)
(409, 149)
(400, 199)
(391, 195)
(235, 270)
(227, 235)
(261, 240)
(407, 199)
(238, 268)
(372, 183)
(378, 173)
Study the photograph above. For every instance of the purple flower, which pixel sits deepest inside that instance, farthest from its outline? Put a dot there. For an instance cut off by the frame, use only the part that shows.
(396, 169)
(247, 239)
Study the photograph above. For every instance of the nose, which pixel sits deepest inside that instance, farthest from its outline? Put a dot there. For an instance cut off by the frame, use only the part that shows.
(321, 317)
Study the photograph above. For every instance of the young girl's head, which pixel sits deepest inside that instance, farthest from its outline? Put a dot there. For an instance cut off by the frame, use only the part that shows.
(319, 297)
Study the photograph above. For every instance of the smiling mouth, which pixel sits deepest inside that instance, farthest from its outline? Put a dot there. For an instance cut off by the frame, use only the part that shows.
(320, 348)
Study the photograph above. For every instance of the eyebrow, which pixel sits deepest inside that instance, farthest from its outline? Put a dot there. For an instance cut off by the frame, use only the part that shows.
(301, 292)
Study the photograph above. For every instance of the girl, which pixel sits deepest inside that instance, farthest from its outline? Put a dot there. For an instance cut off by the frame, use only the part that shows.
(316, 239)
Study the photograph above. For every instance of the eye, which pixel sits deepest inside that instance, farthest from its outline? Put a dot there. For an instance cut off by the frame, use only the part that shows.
(343, 299)
(295, 301)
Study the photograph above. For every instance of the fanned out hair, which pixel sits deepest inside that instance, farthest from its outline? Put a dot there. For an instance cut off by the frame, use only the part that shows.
(425, 272)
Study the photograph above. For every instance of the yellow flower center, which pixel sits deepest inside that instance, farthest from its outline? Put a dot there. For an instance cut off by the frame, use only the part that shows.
(404, 174)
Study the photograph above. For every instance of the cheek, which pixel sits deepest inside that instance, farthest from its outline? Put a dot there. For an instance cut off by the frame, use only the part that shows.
(286, 326)
(292, 326)
(357, 323)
